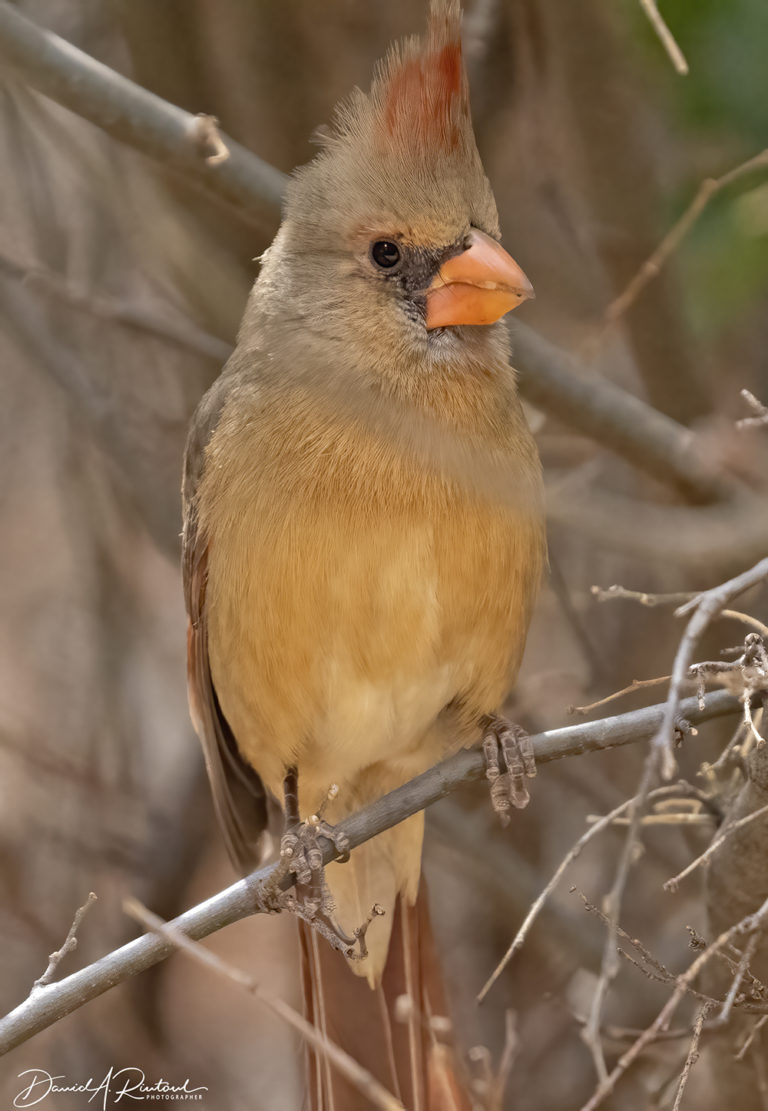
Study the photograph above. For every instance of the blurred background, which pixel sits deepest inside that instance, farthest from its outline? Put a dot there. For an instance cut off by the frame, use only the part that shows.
(121, 290)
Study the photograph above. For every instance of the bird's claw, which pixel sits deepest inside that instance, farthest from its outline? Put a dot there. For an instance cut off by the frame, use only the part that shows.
(509, 761)
(302, 857)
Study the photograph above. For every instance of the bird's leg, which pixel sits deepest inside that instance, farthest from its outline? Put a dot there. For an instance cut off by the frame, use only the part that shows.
(509, 761)
(300, 841)
(302, 857)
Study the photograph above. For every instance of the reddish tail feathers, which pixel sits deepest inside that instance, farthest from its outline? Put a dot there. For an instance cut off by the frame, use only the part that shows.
(397, 1042)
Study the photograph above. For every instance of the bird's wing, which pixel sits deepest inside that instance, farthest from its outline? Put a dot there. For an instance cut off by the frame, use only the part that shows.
(238, 794)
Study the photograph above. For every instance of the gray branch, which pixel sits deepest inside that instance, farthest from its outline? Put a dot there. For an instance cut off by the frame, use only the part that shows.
(178, 140)
(49, 1004)
(552, 380)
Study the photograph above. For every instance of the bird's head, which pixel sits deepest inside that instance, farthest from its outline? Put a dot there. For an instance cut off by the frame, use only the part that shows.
(390, 239)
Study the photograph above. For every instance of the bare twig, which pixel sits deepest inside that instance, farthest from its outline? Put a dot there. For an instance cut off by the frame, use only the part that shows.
(635, 685)
(608, 594)
(665, 36)
(751, 669)
(598, 827)
(652, 968)
(677, 818)
(671, 241)
(359, 1077)
(69, 946)
(744, 1049)
(693, 1053)
(705, 607)
(741, 970)
(672, 883)
(760, 419)
(505, 1064)
(183, 334)
(747, 925)
(242, 899)
(610, 964)
(746, 619)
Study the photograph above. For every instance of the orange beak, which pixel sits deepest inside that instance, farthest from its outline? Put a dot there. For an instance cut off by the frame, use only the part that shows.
(476, 287)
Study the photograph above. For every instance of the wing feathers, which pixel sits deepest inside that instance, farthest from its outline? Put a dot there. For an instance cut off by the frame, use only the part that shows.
(239, 797)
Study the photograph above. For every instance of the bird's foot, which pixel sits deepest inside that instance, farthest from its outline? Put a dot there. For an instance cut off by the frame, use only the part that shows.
(301, 856)
(509, 762)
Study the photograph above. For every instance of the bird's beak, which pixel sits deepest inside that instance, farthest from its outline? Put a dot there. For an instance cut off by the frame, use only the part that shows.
(476, 287)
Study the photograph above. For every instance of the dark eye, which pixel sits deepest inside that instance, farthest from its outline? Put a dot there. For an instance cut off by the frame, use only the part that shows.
(385, 253)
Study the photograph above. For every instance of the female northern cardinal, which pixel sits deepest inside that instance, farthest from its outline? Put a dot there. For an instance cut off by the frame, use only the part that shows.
(358, 599)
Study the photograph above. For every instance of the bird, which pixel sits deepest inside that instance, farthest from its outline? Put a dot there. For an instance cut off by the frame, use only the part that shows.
(364, 535)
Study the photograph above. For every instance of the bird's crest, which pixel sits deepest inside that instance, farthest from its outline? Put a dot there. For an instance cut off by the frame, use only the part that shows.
(420, 91)
(403, 155)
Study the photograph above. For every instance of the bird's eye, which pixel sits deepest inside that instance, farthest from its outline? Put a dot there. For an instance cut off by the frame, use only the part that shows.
(385, 253)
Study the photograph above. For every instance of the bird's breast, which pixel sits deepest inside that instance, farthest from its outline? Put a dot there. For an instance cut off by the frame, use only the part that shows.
(341, 625)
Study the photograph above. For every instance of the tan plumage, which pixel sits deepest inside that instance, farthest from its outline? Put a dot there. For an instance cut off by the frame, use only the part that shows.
(358, 594)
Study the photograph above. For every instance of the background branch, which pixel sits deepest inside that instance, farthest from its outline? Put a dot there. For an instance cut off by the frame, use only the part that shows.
(657, 445)
(137, 117)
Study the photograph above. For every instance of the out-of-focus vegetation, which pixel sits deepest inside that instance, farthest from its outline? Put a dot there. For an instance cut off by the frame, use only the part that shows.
(719, 114)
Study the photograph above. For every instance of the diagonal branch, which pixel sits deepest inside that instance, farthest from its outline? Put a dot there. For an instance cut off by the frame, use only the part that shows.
(657, 445)
(189, 145)
(672, 240)
(362, 1080)
(667, 39)
(47, 1005)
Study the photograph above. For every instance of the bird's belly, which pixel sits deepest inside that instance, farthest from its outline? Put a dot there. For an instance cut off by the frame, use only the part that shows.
(343, 645)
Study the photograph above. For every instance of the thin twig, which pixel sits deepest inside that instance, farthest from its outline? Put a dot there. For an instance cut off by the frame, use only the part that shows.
(693, 1053)
(760, 419)
(610, 964)
(750, 1038)
(609, 594)
(705, 607)
(661, 1022)
(746, 619)
(599, 825)
(635, 685)
(183, 334)
(665, 36)
(683, 818)
(359, 1077)
(672, 883)
(241, 899)
(741, 970)
(69, 946)
(671, 241)
(653, 969)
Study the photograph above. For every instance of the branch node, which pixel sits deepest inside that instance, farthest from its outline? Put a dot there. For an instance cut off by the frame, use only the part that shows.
(207, 139)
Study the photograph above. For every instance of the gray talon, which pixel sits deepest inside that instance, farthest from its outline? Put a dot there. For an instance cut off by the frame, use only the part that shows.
(509, 760)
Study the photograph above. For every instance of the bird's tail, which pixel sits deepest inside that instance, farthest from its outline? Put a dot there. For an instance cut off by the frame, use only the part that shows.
(398, 1031)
